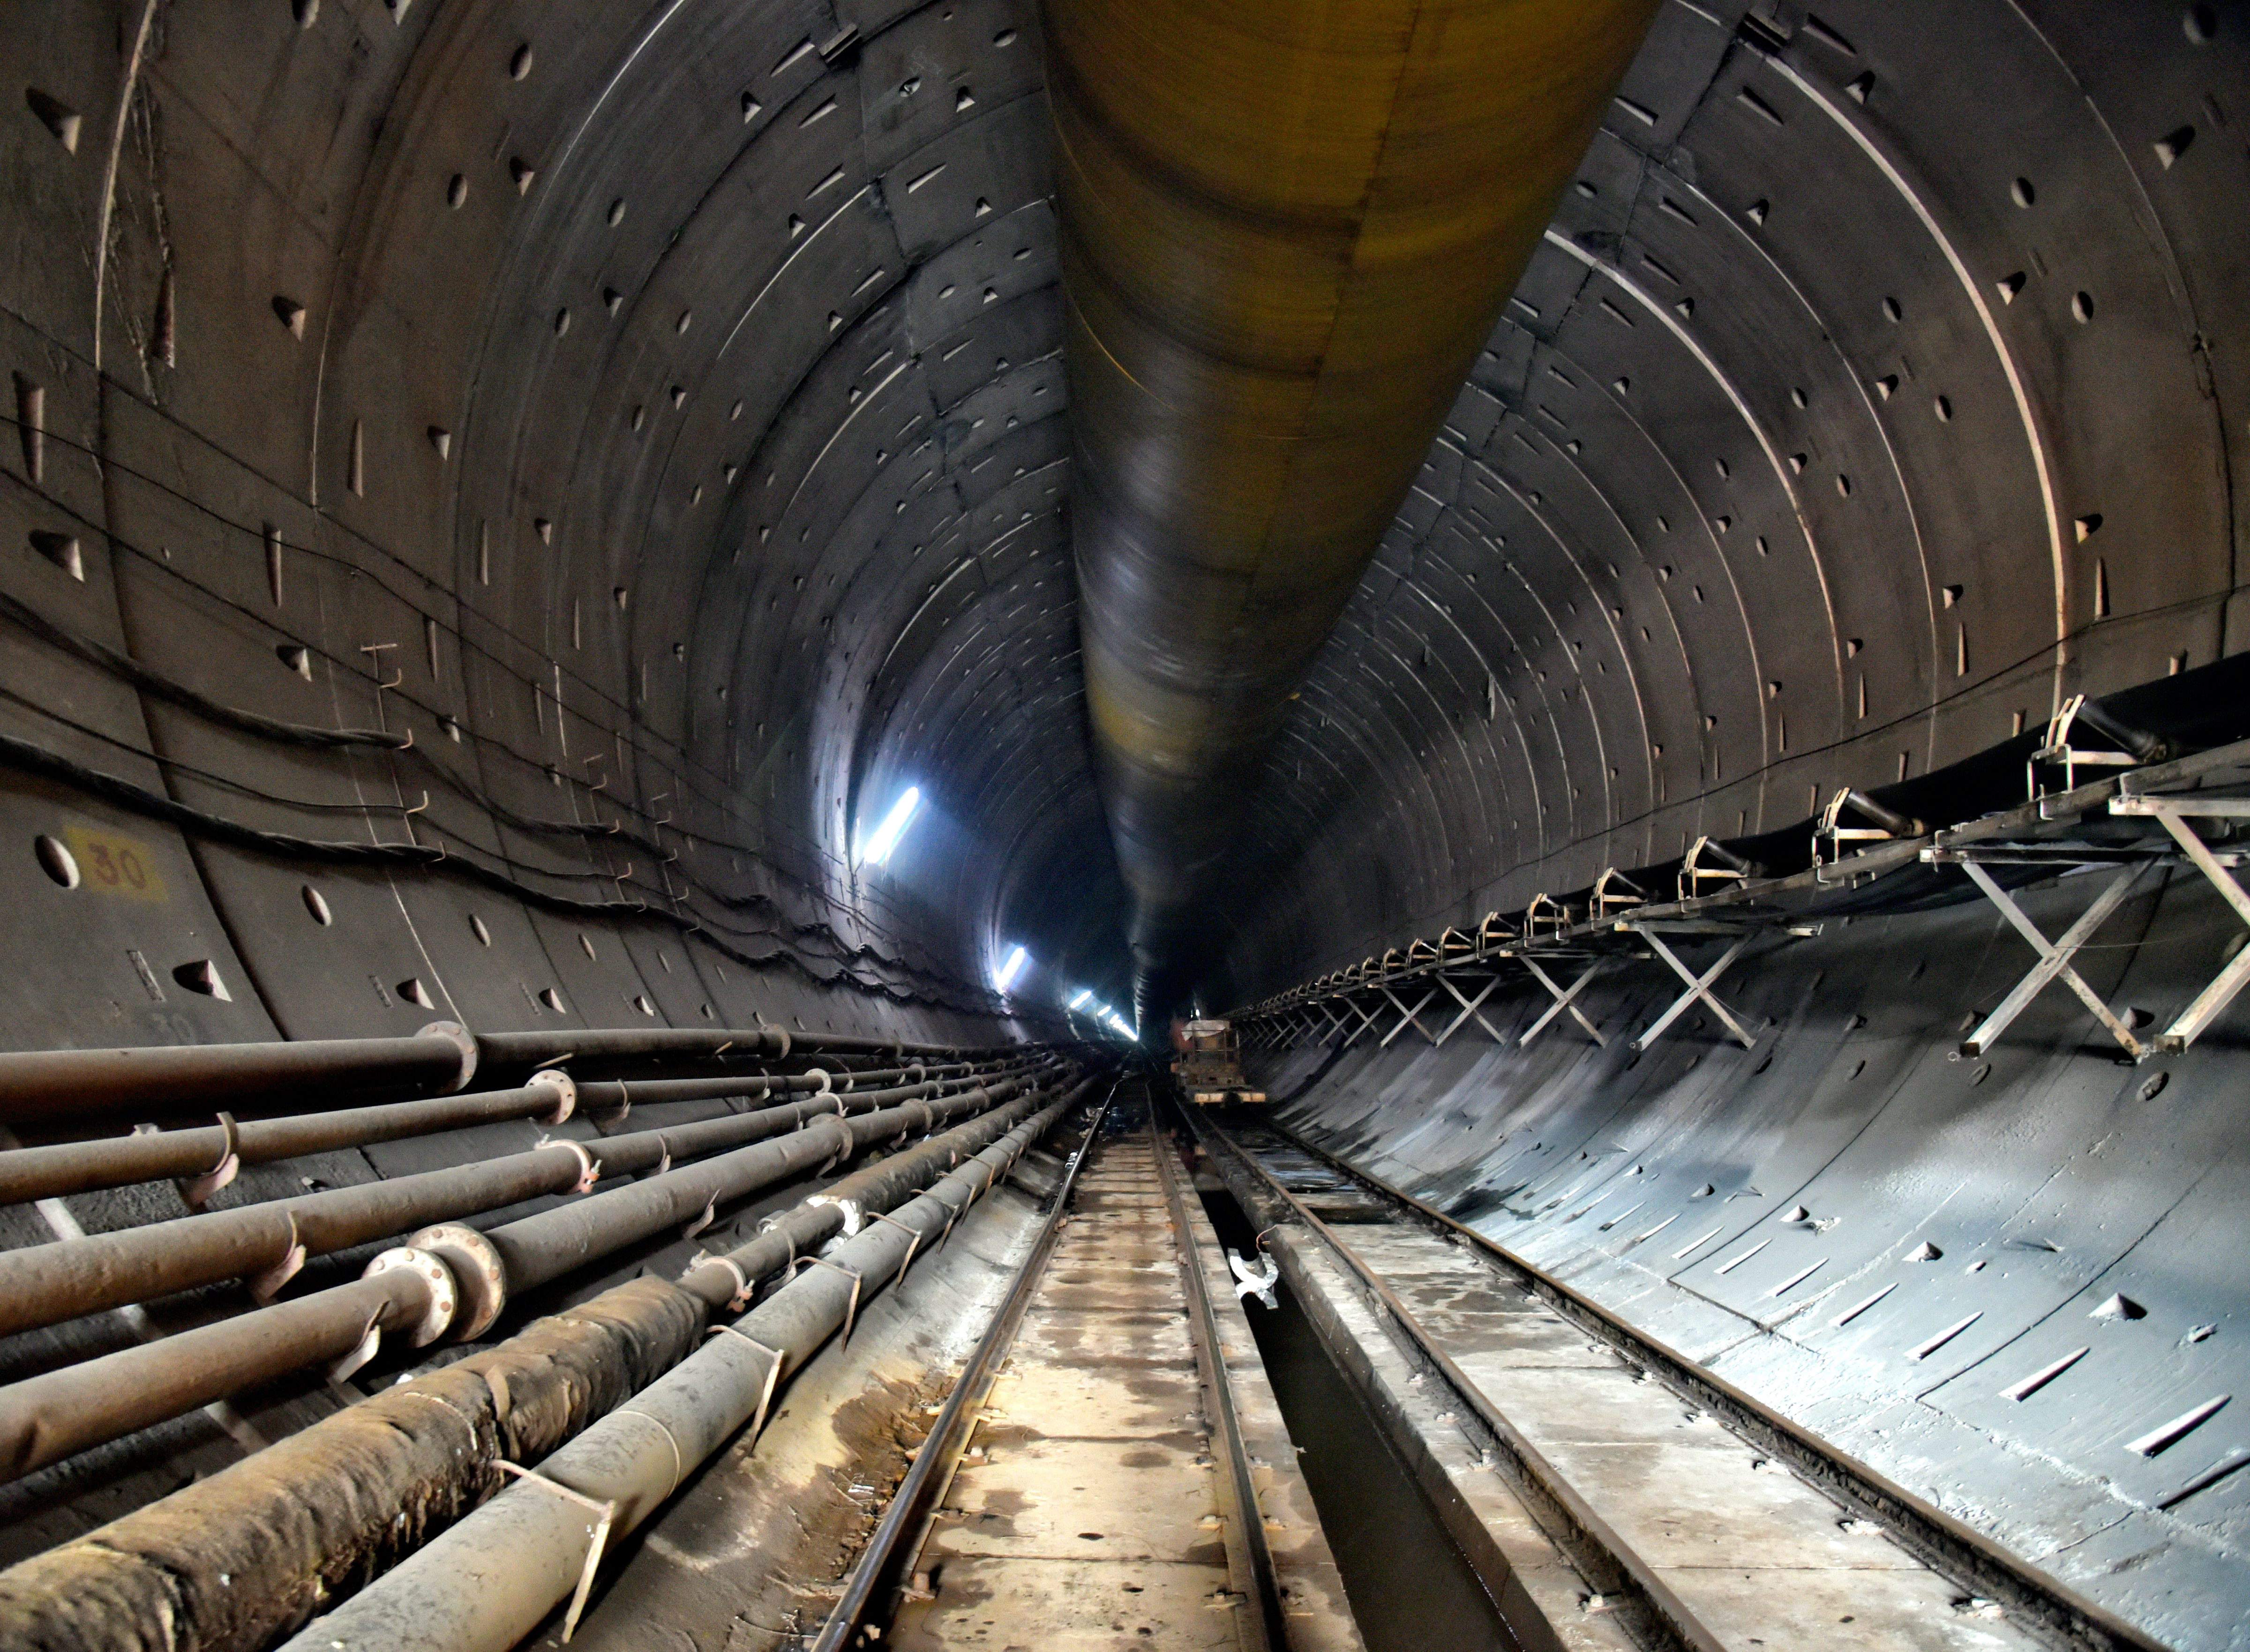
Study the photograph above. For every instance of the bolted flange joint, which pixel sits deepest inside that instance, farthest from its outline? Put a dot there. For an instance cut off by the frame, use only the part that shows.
(444, 1296)
(480, 1276)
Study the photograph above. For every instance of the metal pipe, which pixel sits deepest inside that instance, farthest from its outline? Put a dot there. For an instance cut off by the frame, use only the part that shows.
(59, 1414)
(542, 1246)
(43, 1284)
(446, 1278)
(80, 1166)
(61, 1168)
(233, 1560)
(490, 1579)
(37, 1086)
(1287, 229)
(42, 1084)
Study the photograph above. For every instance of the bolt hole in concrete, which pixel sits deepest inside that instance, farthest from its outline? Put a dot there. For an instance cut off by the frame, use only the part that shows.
(1410, 1588)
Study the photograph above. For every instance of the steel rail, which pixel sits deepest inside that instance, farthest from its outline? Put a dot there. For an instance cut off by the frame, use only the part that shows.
(878, 1562)
(1666, 1615)
(1250, 1518)
(1945, 1545)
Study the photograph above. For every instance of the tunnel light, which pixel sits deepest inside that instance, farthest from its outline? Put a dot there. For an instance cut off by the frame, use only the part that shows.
(1012, 967)
(876, 850)
(1084, 993)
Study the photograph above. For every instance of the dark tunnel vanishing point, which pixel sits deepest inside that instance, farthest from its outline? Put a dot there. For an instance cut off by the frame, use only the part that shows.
(500, 502)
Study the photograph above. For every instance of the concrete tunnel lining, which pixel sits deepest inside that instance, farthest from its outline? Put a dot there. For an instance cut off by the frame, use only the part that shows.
(658, 413)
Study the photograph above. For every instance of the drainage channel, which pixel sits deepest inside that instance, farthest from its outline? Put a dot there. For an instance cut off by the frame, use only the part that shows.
(1411, 1588)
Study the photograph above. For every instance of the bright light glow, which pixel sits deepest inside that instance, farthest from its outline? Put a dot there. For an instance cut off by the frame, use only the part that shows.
(876, 850)
(1011, 967)
(1084, 993)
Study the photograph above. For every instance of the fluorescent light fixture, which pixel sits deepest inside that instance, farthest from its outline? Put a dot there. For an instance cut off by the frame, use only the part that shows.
(1010, 968)
(1084, 993)
(876, 850)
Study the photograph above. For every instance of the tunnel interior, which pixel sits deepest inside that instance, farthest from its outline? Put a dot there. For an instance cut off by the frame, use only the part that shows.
(503, 503)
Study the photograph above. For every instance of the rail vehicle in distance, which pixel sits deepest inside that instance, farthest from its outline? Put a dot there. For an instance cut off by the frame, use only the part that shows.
(1207, 1062)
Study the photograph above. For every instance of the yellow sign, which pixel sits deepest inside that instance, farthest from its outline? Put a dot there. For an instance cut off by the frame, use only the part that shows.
(115, 864)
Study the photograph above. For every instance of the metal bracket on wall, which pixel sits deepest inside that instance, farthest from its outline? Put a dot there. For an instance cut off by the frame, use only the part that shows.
(1469, 1007)
(1698, 986)
(1366, 1021)
(2054, 956)
(1407, 1016)
(2173, 814)
(1563, 1001)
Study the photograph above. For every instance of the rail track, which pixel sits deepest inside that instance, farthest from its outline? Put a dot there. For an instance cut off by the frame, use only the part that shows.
(1491, 1328)
(1118, 1298)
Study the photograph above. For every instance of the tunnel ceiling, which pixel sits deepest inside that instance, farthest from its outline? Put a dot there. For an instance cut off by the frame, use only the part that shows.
(658, 409)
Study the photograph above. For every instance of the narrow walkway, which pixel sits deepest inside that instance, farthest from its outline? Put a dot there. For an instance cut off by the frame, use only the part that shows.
(1089, 1509)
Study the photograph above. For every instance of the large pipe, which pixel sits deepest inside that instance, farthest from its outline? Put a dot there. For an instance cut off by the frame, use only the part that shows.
(489, 1580)
(1287, 229)
(446, 1279)
(229, 1563)
(42, 1084)
(43, 1284)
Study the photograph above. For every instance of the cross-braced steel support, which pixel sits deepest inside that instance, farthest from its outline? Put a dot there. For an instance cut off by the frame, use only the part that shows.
(1366, 1020)
(2173, 813)
(1698, 986)
(1563, 1001)
(2054, 959)
(1406, 1017)
(1469, 1007)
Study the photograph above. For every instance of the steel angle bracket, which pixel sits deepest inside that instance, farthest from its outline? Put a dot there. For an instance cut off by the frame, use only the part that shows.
(1698, 986)
(1407, 1016)
(1565, 999)
(2054, 956)
(2174, 813)
(1469, 1007)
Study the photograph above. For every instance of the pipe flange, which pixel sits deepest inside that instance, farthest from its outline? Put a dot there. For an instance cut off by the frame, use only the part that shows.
(827, 1079)
(853, 1215)
(463, 1040)
(916, 1073)
(444, 1297)
(589, 1172)
(566, 1102)
(480, 1276)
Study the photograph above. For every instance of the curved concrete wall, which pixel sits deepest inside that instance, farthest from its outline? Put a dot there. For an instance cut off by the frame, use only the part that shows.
(1811, 1217)
(1881, 382)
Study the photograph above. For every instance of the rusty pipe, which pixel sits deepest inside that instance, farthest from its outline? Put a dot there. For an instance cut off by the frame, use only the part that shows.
(1287, 229)
(80, 1166)
(43, 1284)
(61, 1168)
(62, 1085)
(237, 1559)
(490, 1580)
(446, 1279)
(41, 1084)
